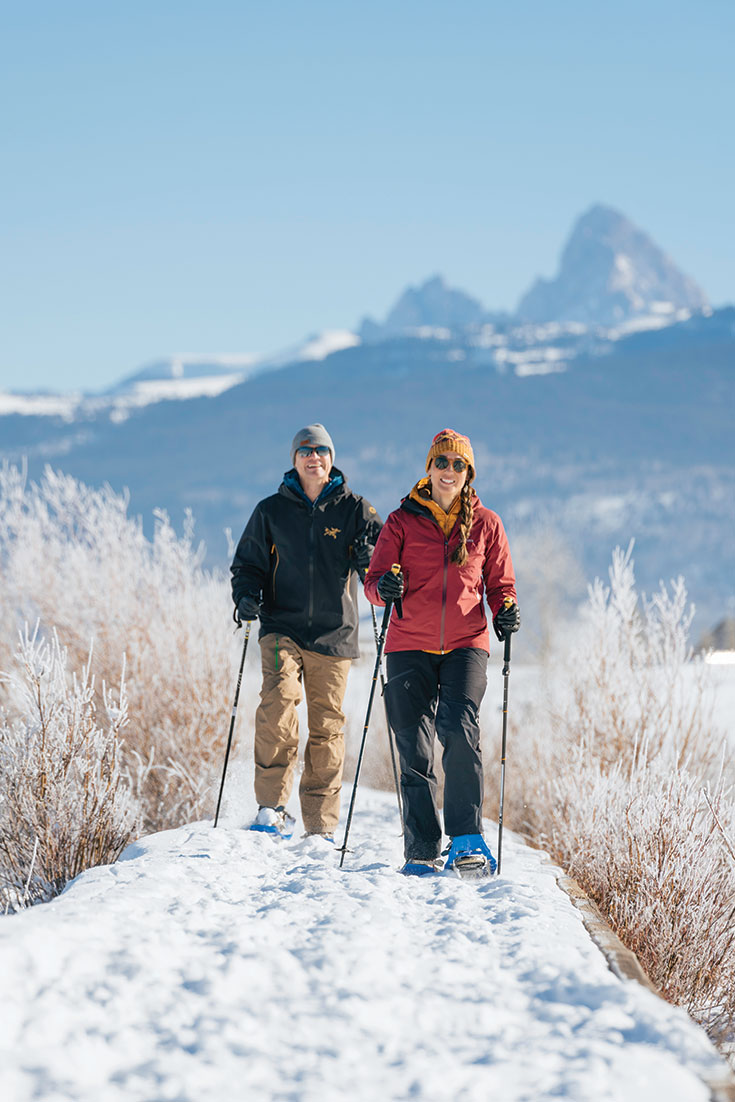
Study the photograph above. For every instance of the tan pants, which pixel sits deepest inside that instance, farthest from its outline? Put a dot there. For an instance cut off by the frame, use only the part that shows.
(285, 666)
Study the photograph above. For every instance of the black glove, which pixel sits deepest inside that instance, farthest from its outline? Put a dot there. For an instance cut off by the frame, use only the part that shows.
(390, 586)
(507, 621)
(361, 554)
(248, 608)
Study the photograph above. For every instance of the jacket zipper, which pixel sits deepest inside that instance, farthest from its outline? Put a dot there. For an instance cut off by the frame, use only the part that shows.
(311, 572)
(274, 551)
(444, 594)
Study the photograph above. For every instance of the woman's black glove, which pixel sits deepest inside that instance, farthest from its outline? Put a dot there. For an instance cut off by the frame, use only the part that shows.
(248, 608)
(390, 586)
(507, 621)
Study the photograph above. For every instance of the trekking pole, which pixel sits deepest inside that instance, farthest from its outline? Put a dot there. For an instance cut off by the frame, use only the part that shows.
(506, 675)
(381, 643)
(391, 740)
(232, 719)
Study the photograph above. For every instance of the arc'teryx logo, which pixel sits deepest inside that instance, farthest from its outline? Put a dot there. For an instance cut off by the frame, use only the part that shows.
(333, 532)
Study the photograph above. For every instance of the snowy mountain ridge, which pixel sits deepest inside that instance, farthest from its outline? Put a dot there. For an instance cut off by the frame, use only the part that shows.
(603, 439)
(603, 432)
(612, 281)
(522, 348)
(177, 378)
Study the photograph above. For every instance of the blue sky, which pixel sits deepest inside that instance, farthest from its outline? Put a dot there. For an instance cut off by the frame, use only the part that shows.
(226, 177)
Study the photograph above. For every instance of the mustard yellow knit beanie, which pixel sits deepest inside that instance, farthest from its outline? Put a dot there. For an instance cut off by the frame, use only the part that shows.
(450, 441)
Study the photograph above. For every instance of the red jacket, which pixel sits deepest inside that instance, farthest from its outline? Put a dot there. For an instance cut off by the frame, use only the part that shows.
(442, 602)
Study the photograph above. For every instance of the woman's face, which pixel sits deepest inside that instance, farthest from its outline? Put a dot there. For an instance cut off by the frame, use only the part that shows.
(446, 482)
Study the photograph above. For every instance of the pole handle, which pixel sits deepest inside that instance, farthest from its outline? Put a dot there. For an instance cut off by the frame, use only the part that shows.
(398, 602)
(507, 603)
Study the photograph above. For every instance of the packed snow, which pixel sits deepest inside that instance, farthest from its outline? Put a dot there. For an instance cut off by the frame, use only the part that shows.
(217, 964)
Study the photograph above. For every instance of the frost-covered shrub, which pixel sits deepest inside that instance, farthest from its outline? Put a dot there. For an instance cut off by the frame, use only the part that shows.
(635, 690)
(64, 801)
(631, 791)
(72, 558)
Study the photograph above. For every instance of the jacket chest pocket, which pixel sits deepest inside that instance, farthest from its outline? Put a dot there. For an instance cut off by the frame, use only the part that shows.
(471, 571)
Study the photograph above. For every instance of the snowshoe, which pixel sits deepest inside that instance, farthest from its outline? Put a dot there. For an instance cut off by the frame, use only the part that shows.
(422, 867)
(470, 857)
(274, 820)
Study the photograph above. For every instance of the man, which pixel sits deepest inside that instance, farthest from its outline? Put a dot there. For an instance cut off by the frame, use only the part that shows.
(296, 568)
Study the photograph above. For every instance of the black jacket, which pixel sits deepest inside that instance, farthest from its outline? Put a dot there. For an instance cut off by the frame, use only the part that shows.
(299, 556)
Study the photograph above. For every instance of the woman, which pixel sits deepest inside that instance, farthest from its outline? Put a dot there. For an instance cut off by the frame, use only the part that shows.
(450, 548)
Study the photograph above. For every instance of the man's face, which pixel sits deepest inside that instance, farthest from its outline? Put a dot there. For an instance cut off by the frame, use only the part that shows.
(313, 464)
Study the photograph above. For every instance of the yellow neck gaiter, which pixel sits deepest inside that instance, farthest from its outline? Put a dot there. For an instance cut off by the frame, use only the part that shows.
(446, 521)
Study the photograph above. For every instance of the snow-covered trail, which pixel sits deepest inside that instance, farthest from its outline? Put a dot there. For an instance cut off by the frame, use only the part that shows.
(226, 965)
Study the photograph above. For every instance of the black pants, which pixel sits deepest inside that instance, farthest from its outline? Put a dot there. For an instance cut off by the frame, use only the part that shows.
(440, 694)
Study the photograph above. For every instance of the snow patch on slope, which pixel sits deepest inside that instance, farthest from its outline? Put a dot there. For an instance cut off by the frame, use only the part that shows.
(315, 348)
(167, 390)
(40, 405)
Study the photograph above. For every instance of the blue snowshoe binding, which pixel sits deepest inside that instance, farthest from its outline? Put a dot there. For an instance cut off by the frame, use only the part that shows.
(274, 820)
(470, 857)
(422, 868)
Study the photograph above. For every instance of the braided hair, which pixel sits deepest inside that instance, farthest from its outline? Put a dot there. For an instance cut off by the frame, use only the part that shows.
(466, 516)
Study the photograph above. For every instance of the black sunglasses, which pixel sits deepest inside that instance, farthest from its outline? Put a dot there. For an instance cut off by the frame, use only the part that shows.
(321, 450)
(441, 463)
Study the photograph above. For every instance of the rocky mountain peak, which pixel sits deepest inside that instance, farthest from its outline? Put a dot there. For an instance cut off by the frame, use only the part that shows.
(432, 305)
(610, 271)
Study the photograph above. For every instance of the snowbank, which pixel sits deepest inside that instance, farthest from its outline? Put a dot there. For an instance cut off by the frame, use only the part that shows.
(224, 964)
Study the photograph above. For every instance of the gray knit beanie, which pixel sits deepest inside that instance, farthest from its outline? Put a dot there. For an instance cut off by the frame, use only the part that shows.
(312, 436)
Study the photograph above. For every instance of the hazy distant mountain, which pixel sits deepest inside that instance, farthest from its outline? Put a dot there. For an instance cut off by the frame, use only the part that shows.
(604, 415)
(186, 367)
(434, 305)
(315, 347)
(175, 378)
(610, 271)
(611, 274)
(634, 442)
(179, 376)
